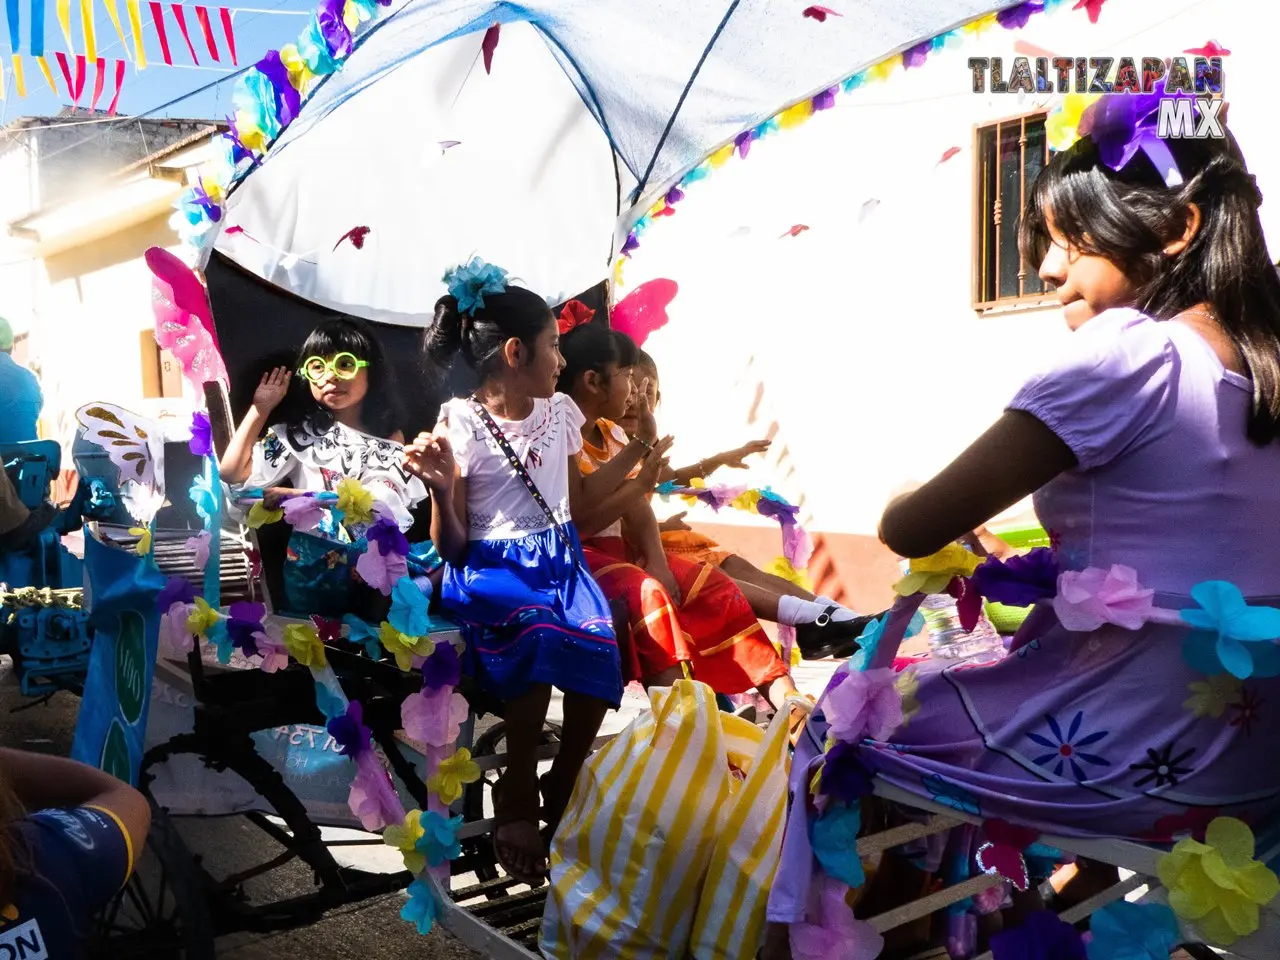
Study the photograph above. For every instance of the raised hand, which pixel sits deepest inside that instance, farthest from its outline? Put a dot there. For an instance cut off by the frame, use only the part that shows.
(733, 458)
(675, 523)
(430, 458)
(646, 425)
(272, 389)
(651, 469)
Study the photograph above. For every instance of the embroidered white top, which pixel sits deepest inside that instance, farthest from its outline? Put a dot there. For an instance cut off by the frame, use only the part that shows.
(498, 505)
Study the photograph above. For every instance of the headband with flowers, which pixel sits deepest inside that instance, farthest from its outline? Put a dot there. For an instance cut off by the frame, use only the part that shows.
(574, 314)
(1119, 125)
(469, 283)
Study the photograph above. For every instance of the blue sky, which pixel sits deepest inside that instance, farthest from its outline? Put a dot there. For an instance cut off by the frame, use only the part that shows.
(144, 90)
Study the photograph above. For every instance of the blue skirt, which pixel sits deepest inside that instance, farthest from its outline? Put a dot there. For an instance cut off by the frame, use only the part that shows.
(532, 614)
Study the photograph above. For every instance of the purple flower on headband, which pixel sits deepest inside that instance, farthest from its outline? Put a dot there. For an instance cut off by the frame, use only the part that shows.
(844, 776)
(1018, 581)
(177, 590)
(350, 732)
(201, 442)
(386, 534)
(442, 668)
(1122, 124)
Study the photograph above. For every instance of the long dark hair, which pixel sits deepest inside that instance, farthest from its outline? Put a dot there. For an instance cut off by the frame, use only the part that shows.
(590, 347)
(516, 313)
(1129, 216)
(381, 408)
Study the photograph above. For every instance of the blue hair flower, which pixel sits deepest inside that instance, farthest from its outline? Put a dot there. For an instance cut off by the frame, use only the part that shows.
(469, 283)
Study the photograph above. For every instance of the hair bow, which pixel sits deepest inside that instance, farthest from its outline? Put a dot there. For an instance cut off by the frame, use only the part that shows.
(469, 283)
(574, 315)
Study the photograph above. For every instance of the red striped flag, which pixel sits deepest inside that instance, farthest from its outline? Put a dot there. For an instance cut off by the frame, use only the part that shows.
(182, 25)
(225, 15)
(157, 17)
(202, 14)
(115, 100)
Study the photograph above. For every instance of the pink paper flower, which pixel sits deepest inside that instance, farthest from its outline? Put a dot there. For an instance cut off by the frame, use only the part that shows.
(373, 798)
(1089, 598)
(434, 717)
(864, 704)
(829, 930)
(199, 547)
(175, 638)
(303, 513)
(273, 653)
(381, 572)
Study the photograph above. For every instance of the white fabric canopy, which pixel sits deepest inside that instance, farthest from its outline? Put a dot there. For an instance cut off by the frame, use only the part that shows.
(592, 110)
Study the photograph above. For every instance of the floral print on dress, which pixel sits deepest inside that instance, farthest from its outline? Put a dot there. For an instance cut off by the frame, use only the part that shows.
(1213, 696)
(1162, 766)
(1247, 710)
(951, 795)
(1066, 748)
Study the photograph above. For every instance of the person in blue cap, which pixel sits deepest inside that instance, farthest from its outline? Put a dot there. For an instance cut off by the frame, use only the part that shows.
(20, 403)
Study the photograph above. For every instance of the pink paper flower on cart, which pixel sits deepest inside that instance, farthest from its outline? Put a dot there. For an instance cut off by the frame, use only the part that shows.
(273, 653)
(1089, 598)
(199, 548)
(829, 930)
(379, 570)
(434, 717)
(864, 704)
(303, 513)
(174, 635)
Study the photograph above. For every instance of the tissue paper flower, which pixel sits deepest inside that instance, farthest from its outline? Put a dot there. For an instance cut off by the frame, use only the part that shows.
(443, 668)
(471, 282)
(361, 632)
(843, 776)
(385, 532)
(434, 717)
(404, 648)
(175, 590)
(1019, 581)
(303, 644)
(447, 782)
(243, 622)
(373, 798)
(198, 546)
(201, 442)
(439, 838)
(143, 546)
(1230, 634)
(303, 513)
(1041, 936)
(174, 636)
(409, 609)
(355, 502)
(273, 653)
(328, 702)
(864, 704)
(835, 843)
(933, 574)
(829, 930)
(1001, 854)
(352, 736)
(1218, 885)
(1089, 598)
(405, 838)
(260, 515)
(1133, 931)
(1062, 126)
(381, 571)
(204, 497)
(420, 909)
(202, 618)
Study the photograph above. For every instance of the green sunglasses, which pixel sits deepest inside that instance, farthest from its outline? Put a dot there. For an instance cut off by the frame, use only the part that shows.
(344, 366)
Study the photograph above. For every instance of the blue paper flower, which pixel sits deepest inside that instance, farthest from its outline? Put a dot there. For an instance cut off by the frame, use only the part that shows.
(472, 281)
(1133, 931)
(421, 908)
(667, 488)
(218, 636)
(439, 841)
(362, 632)
(205, 499)
(328, 702)
(409, 609)
(315, 51)
(868, 642)
(1236, 638)
(1041, 936)
(834, 836)
(255, 96)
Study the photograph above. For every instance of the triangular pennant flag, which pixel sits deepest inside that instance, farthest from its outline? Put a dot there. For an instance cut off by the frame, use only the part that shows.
(37, 28)
(157, 17)
(225, 15)
(82, 68)
(19, 81)
(114, 14)
(180, 16)
(99, 81)
(202, 14)
(66, 74)
(135, 24)
(48, 74)
(64, 21)
(86, 22)
(115, 100)
(15, 26)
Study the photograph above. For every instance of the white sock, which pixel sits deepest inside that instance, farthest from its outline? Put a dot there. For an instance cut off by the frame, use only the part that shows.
(841, 613)
(795, 611)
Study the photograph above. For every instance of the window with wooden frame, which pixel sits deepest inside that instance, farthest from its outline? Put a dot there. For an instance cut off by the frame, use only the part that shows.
(1010, 153)
(161, 372)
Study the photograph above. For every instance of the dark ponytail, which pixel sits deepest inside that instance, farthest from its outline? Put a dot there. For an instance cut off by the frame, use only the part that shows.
(479, 337)
(1129, 216)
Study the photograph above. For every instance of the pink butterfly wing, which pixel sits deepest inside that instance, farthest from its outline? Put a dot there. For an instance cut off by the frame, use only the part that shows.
(644, 309)
(1004, 861)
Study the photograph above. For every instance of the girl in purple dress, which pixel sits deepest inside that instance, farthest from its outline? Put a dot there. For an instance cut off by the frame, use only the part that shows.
(1147, 442)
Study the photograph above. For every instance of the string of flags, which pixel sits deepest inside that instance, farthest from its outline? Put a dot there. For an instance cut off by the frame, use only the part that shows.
(216, 37)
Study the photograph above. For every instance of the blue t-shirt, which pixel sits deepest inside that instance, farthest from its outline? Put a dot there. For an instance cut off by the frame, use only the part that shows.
(20, 401)
(70, 865)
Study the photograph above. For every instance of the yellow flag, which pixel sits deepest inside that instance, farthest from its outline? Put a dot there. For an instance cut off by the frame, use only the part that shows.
(48, 74)
(19, 81)
(135, 24)
(114, 14)
(86, 21)
(64, 21)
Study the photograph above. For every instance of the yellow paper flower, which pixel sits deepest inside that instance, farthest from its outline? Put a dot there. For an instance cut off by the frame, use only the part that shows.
(722, 156)
(251, 136)
(1217, 885)
(405, 839)
(300, 75)
(795, 115)
(908, 685)
(748, 500)
(781, 567)
(981, 25)
(260, 515)
(618, 281)
(446, 783)
(404, 648)
(1062, 127)
(143, 546)
(1212, 697)
(884, 69)
(201, 618)
(932, 574)
(304, 645)
(355, 501)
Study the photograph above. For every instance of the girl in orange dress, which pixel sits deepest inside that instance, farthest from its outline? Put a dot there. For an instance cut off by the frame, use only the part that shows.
(679, 610)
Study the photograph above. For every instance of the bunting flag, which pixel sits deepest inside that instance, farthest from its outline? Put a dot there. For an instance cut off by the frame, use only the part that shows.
(135, 24)
(115, 100)
(81, 68)
(86, 21)
(202, 14)
(157, 17)
(19, 81)
(37, 29)
(182, 25)
(99, 81)
(48, 74)
(225, 15)
(15, 25)
(114, 14)
(66, 75)
(64, 21)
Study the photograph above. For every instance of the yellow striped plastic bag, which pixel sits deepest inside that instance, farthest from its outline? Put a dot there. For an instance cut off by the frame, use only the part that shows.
(629, 859)
(730, 921)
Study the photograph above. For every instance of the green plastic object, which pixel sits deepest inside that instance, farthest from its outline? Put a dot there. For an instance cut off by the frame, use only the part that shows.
(1025, 537)
(1005, 619)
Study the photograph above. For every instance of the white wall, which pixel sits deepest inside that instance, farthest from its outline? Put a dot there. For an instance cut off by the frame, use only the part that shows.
(861, 335)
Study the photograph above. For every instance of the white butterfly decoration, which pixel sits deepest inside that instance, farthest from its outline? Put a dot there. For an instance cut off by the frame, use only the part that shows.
(136, 446)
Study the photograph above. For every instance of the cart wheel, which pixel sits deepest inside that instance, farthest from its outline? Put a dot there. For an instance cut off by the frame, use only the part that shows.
(479, 850)
(161, 911)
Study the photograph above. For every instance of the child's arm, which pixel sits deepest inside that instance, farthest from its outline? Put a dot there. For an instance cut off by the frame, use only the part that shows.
(1016, 457)
(613, 474)
(237, 459)
(640, 528)
(430, 458)
(591, 514)
(683, 476)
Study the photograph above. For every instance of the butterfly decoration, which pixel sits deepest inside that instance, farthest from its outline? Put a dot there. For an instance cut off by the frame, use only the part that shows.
(948, 154)
(184, 323)
(1002, 853)
(135, 446)
(644, 309)
(1093, 7)
(1210, 49)
(819, 13)
(795, 230)
(488, 45)
(330, 631)
(356, 235)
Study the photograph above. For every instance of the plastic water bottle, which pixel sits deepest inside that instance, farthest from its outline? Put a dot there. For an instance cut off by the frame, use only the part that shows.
(947, 638)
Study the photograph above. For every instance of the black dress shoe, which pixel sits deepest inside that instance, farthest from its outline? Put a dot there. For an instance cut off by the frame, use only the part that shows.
(830, 638)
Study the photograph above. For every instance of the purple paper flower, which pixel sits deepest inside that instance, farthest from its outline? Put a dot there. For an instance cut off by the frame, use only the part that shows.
(916, 56)
(350, 732)
(176, 590)
(1014, 18)
(1042, 936)
(675, 195)
(201, 442)
(386, 534)
(442, 668)
(244, 625)
(844, 776)
(825, 100)
(1122, 124)
(743, 142)
(1019, 581)
(288, 100)
(630, 245)
(784, 513)
(333, 28)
